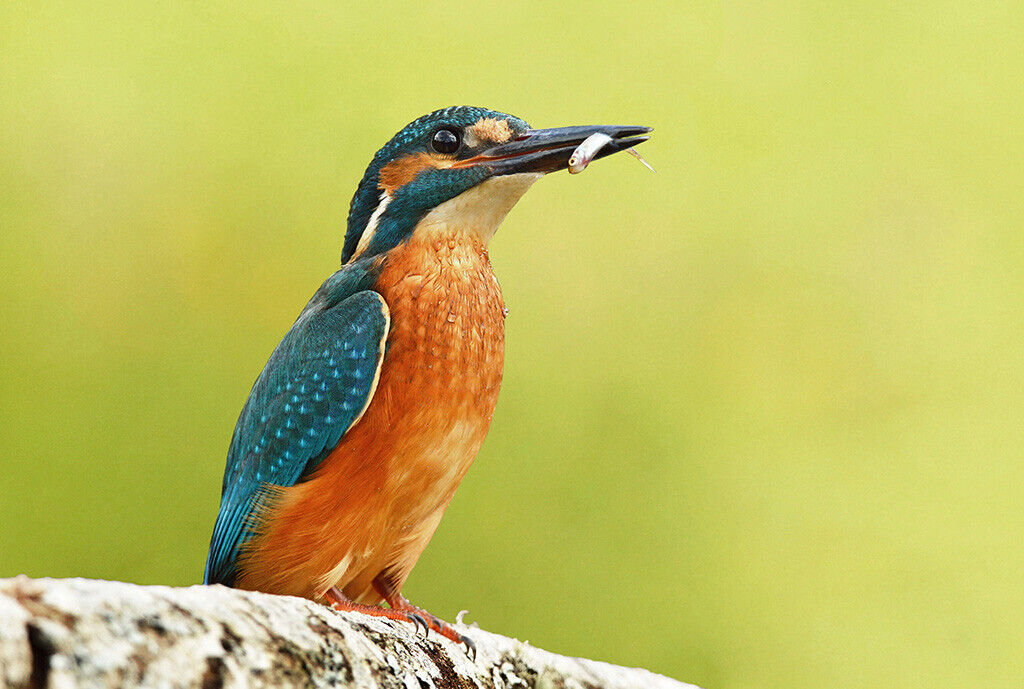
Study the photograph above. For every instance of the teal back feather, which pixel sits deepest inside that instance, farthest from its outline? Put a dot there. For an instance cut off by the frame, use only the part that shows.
(316, 383)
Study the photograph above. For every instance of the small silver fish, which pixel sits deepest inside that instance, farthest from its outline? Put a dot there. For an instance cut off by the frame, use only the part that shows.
(586, 151)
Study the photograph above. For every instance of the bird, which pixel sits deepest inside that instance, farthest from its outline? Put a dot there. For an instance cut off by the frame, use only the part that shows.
(373, 406)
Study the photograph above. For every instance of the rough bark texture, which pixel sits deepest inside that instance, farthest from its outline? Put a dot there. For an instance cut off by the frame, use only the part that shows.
(80, 633)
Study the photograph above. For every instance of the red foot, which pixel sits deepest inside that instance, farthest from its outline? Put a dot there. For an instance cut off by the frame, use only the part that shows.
(401, 604)
(339, 601)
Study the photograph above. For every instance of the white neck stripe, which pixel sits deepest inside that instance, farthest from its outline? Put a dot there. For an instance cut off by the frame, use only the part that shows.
(371, 226)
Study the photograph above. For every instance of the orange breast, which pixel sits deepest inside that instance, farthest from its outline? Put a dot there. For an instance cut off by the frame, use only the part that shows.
(377, 499)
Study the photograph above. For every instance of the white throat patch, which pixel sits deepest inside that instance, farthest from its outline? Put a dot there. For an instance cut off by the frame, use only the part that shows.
(481, 209)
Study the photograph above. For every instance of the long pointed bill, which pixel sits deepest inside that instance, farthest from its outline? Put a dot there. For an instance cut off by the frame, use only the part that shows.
(549, 150)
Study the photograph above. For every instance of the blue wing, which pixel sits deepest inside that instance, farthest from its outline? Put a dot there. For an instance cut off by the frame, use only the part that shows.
(316, 384)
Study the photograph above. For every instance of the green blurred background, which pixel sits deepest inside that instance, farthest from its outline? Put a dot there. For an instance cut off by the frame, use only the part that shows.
(761, 420)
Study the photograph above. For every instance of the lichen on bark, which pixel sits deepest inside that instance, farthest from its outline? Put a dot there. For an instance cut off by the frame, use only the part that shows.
(62, 633)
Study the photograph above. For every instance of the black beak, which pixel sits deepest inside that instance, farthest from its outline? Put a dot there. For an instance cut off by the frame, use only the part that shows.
(549, 150)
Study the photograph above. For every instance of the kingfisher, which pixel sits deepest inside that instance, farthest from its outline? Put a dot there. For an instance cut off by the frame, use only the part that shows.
(372, 407)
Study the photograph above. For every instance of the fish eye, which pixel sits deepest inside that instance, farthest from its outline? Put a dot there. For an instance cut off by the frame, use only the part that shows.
(446, 141)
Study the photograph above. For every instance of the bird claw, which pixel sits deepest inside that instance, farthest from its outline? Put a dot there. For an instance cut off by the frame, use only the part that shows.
(449, 632)
(421, 618)
(418, 622)
(470, 646)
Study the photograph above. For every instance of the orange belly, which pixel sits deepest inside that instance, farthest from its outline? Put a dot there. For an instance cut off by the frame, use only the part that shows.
(375, 501)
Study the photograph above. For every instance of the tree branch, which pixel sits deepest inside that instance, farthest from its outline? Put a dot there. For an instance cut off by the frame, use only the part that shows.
(62, 633)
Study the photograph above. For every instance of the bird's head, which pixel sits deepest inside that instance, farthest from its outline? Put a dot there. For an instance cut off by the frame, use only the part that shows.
(463, 167)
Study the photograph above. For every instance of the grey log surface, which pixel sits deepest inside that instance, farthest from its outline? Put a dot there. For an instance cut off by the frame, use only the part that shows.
(64, 633)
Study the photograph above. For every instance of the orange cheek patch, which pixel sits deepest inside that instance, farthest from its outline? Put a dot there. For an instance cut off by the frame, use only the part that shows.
(398, 173)
(492, 129)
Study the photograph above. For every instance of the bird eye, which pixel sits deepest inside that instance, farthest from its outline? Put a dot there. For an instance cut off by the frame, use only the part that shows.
(446, 141)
